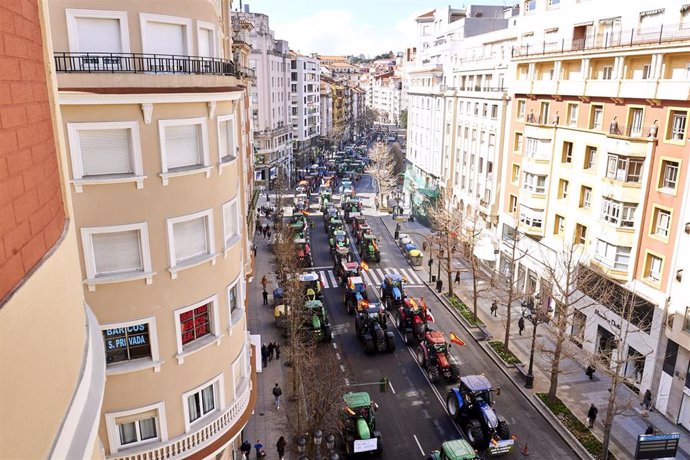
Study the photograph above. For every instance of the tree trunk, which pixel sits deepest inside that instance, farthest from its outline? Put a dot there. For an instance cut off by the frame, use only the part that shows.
(449, 265)
(475, 283)
(610, 413)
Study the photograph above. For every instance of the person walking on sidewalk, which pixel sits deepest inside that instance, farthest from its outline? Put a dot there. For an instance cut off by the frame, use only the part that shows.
(271, 350)
(457, 277)
(494, 308)
(649, 430)
(277, 393)
(647, 399)
(264, 355)
(260, 452)
(246, 449)
(264, 294)
(280, 447)
(521, 325)
(592, 415)
(277, 350)
(264, 282)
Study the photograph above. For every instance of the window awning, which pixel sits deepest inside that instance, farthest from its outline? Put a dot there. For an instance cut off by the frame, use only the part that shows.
(652, 12)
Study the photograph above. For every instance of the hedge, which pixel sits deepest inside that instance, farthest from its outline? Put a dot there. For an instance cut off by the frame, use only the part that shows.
(464, 310)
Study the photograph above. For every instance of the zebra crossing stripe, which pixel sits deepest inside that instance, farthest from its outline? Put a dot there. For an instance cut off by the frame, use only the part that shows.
(332, 278)
(381, 274)
(322, 276)
(372, 275)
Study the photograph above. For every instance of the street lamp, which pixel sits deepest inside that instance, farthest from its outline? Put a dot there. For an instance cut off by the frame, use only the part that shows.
(317, 439)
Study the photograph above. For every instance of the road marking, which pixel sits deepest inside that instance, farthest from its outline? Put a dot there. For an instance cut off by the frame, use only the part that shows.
(347, 382)
(337, 355)
(332, 278)
(335, 346)
(418, 444)
(342, 368)
(372, 276)
(391, 385)
(322, 276)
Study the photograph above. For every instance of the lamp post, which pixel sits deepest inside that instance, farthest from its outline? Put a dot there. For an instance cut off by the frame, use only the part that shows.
(317, 439)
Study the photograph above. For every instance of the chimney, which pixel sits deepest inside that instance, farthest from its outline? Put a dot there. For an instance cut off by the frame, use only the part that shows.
(246, 7)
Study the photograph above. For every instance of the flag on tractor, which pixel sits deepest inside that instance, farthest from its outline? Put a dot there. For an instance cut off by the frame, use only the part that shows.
(364, 266)
(456, 340)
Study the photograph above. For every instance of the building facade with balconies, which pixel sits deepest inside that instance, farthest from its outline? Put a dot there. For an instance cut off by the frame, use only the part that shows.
(326, 106)
(305, 88)
(595, 158)
(159, 152)
(51, 348)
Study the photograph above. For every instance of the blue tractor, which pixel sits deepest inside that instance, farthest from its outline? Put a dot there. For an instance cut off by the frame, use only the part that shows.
(392, 291)
(471, 405)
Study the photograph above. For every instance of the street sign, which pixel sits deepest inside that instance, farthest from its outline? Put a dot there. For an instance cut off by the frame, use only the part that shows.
(657, 445)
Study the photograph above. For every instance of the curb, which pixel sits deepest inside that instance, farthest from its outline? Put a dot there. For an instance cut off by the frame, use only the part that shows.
(558, 427)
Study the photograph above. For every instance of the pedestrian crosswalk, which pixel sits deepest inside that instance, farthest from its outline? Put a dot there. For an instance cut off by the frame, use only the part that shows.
(373, 277)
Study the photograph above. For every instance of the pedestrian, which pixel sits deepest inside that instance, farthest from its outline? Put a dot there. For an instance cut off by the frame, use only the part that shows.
(254, 250)
(264, 293)
(277, 350)
(457, 277)
(649, 430)
(592, 415)
(494, 308)
(521, 325)
(271, 350)
(245, 449)
(277, 393)
(264, 355)
(264, 281)
(260, 452)
(263, 232)
(280, 447)
(647, 399)
(589, 372)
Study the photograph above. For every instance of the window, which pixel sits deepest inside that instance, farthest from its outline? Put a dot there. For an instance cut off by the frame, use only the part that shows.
(635, 118)
(544, 113)
(105, 152)
(231, 223)
(135, 427)
(203, 400)
(607, 72)
(532, 147)
(563, 188)
(512, 204)
(572, 114)
(624, 168)
(559, 225)
(169, 35)
(236, 299)
(494, 111)
(567, 154)
(585, 197)
(116, 253)
(662, 222)
(127, 343)
(533, 183)
(686, 323)
(227, 140)
(518, 142)
(531, 217)
(618, 213)
(580, 234)
(590, 157)
(596, 117)
(677, 125)
(530, 6)
(97, 31)
(669, 175)
(190, 240)
(617, 257)
(196, 326)
(184, 146)
(653, 266)
(515, 178)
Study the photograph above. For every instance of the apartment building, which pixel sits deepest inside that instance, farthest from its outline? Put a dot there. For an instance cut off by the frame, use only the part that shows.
(326, 106)
(159, 152)
(595, 158)
(51, 348)
(386, 96)
(305, 88)
(271, 101)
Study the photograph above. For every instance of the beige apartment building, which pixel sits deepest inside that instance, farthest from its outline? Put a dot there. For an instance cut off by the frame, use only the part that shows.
(158, 155)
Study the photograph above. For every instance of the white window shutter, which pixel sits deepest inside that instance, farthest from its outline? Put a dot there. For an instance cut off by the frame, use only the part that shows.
(230, 220)
(223, 145)
(117, 252)
(106, 151)
(99, 35)
(191, 239)
(182, 146)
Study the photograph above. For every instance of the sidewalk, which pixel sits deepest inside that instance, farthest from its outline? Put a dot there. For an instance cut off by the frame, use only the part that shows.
(576, 390)
(266, 423)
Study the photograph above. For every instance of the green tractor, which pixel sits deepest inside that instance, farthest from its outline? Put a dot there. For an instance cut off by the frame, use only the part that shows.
(334, 225)
(369, 248)
(339, 239)
(458, 449)
(317, 323)
(359, 426)
(371, 328)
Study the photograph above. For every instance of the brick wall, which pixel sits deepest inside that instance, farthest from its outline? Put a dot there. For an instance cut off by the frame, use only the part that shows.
(31, 207)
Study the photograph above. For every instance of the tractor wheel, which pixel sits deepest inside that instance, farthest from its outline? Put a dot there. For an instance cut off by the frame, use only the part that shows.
(409, 339)
(357, 326)
(434, 374)
(475, 434)
(420, 357)
(368, 345)
(377, 258)
(390, 343)
(454, 373)
(379, 446)
(328, 334)
(398, 321)
(503, 429)
(452, 406)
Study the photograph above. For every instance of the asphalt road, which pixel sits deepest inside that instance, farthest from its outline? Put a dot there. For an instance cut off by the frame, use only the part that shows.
(412, 416)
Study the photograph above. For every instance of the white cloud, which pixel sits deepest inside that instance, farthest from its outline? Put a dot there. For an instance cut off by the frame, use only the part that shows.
(337, 32)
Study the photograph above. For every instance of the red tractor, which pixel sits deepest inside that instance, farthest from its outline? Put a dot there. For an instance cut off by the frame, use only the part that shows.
(412, 319)
(433, 355)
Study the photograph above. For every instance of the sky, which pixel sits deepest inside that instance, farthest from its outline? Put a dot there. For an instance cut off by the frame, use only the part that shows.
(348, 27)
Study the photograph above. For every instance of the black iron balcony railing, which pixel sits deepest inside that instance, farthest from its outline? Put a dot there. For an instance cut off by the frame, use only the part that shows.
(665, 33)
(141, 63)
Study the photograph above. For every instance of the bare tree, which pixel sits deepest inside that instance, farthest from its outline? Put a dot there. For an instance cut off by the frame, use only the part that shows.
(448, 225)
(512, 238)
(381, 169)
(399, 158)
(471, 233)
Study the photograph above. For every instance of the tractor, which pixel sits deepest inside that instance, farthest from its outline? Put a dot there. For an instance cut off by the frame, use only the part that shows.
(355, 294)
(330, 213)
(392, 291)
(458, 449)
(341, 254)
(312, 285)
(433, 355)
(359, 425)
(339, 239)
(333, 225)
(369, 249)
(357, 223)
(363, 229)
(316, 323)
(371, 328)
(325, 198)
(412, 319)
(471, 405)
(345, 270)
(303, 253)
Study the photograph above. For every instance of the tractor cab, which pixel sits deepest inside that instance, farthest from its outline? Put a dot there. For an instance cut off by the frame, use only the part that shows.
(316, 321)
(360, 407)
(339, 239)
(369, 248)
(301, 203)
(363, 229)
(437, 340)
(334, 225)
(458, 449)
(345, 270)
(342, 254)
(330, 213)
(303, 252)
(476, 389)
(311, 284)
(358, 222)
(356, 297)
(392, 288)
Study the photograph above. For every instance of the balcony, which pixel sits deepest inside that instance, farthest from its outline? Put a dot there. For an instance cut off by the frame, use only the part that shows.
(571, 87)
(642, 89)
(639, 147)
(673, 89)
(189, 443)
(141, 63)
(545, 87)
(602, 88)
(523, 86)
